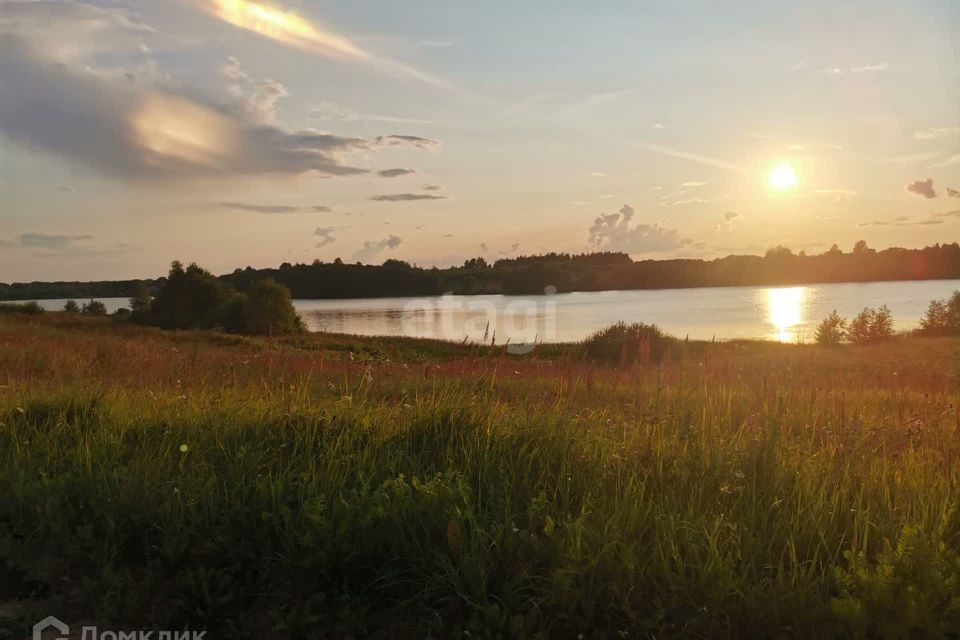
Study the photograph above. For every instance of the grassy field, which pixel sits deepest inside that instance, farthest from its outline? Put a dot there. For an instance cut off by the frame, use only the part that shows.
(338, 487)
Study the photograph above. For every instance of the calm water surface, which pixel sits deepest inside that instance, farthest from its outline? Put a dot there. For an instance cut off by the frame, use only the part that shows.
(779, 313)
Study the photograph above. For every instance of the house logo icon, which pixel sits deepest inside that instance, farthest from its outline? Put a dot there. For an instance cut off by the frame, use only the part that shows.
(61, 628)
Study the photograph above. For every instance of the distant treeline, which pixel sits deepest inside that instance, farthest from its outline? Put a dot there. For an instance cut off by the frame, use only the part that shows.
(566, 272)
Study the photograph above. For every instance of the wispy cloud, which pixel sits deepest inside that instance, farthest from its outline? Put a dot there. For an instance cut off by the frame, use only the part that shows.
(406, 197)
(288, 28)
(333, 111)
(273, 208)
(936, 132)
(693, 183)
(395, 173)
(57, 242)
(953, 193)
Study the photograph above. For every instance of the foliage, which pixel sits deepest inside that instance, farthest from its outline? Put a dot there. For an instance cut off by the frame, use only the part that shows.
(281, 487)
(911, 590)
(28, 308)
(194, 298)
(832, 330)
(140, 303)
(188, 298)
(942, 317)
(530, 274)
(871, 326)
(94, 308)
(627, 344)
(268, 310)
(71, 306)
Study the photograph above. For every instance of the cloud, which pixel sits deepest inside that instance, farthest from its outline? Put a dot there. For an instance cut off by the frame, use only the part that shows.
(923, 188)
(615, 232)
(949, 162)
(273, 208)
(100, 120)
(867, 68)
(286, 27)
(953, 193)
(406, 197)
(43, 241)
(415, 141)
(431, 187)
(259, 97)
(371, 248)
(333, 111)
(65, 29)
(936, 132)
(693, 183)
(325, 235)
(394, 173)
(904, 221)
(730, 219)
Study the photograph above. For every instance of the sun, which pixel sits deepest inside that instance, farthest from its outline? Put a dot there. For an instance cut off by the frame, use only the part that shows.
(783, 177)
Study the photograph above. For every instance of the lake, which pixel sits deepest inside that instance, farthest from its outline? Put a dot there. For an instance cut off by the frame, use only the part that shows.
(787, 314)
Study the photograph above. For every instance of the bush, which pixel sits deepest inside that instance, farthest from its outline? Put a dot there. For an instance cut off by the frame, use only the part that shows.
(832, 331)
(29, 308)
(627, 344)
(71, 307)
(95, 308)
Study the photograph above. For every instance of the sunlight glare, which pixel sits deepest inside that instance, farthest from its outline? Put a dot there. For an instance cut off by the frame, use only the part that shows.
(283, 26)
(176, 131)
(783, 177)
(785, 307)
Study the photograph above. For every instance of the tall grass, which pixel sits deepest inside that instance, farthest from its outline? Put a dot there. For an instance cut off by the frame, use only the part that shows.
(255, 488)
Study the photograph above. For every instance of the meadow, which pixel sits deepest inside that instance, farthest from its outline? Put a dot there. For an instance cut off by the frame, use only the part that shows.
(340, 487)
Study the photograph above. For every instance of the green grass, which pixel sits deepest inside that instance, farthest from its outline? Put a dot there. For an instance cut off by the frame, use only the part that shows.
(264, 488)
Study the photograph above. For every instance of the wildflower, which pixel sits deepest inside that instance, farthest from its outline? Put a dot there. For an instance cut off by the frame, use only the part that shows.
(184, 448)
(20, 410)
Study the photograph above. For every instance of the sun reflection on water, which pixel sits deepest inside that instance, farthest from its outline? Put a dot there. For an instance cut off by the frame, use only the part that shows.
(786, 310)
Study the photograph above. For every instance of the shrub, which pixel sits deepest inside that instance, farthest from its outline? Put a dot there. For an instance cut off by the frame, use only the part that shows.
(832, 330)
(626, 344)
(29, 308)
(71, 307)
(95, 308)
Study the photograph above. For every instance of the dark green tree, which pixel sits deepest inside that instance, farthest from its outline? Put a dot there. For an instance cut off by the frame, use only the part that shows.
(71, 307)
(189, 298)
(269, 310)
(140, 302)
(832, 330)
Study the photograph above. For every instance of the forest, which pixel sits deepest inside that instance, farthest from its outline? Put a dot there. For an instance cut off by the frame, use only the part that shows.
(530, 275)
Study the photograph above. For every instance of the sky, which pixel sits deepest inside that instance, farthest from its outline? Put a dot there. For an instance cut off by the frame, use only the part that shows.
(235, 133)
